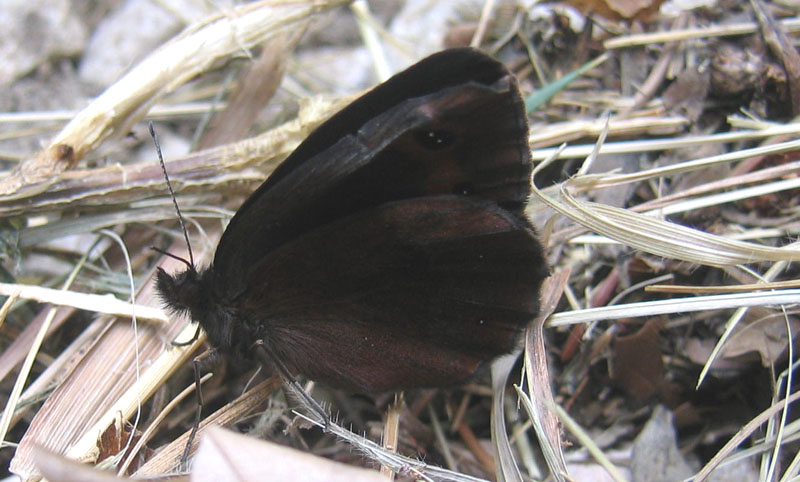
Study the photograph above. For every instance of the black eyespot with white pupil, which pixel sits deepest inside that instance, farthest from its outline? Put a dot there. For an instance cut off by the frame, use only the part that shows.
(434, 140)
(464, 189)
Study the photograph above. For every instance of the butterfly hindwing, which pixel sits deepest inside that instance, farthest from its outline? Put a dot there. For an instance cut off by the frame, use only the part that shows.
(422, 289)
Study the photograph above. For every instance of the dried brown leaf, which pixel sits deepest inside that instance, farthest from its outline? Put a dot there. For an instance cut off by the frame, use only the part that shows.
(227, 456)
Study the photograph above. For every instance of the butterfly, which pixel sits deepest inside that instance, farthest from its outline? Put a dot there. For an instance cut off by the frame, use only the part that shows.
(390, 249)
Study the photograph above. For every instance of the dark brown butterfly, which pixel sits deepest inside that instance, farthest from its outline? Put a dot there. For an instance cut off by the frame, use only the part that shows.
(389, 250)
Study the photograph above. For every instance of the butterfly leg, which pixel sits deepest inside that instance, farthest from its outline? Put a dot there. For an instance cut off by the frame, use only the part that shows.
(199, 393)
(291, 384)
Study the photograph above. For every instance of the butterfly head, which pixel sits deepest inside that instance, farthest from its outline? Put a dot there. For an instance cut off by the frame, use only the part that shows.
(190, 293)
(180, 292)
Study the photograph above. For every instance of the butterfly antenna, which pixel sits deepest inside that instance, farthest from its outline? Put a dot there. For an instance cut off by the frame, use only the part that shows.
(172, 195)
(167, 253)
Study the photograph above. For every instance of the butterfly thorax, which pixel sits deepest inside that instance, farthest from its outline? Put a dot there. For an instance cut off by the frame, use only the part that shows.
(192, 292)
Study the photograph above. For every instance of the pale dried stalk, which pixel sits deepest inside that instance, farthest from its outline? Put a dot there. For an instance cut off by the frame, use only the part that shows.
(670, 240)
(552, 134)
(653, 145)
(749, 28)
(12, 297)
(746, 288)
(655, 236)
(675, 305)
(669, 203)
(538, 401)
(609, 180)
(27, 364)
(505, 464)
(68, 420)
(368, 28)
(106, 304)
(151, 429)
(168, 458)
(391, 430)
(158, 371)
(198, 49)
(223, 169)
(742, 435)
(397, 463)
(586, 441)
(169, 111)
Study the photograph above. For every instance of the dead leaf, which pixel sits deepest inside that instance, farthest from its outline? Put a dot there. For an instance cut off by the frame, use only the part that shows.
(57, 468)
(636, 364)
(227, 456)
(768, 337)
(687, 94)
(619, 9)
(699, 350)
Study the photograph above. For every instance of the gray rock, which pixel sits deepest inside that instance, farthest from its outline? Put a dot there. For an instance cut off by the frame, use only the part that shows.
(124, 37)
(656, 457)
(50, 28)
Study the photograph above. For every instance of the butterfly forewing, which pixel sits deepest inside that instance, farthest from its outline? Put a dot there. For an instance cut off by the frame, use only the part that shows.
(477, 112)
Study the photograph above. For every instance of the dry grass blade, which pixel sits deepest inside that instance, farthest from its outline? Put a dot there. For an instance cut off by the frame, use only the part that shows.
(369, 30)
(668, 239)
(398, 463)
(742, 434)
(36, 345)
(776, 285)
(257, 86)
(586, 441)
(148, 432)
(669, 205)
(228, 168)
(106, 304)
(594, 127)
(506, 465)
(652, 235)
(791, 25)
(610, 180)
(12, 297)
(158, 369)
(577, 129)
(675, 305)
(539, 402)
(117, 387)
(13, 355)
(167, 460)
(391, 430)
(734, 320)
